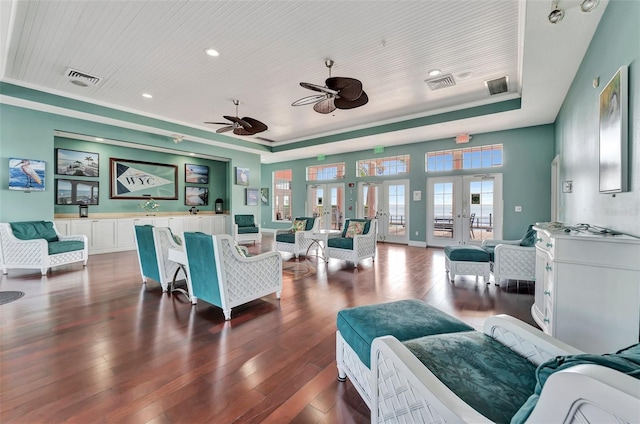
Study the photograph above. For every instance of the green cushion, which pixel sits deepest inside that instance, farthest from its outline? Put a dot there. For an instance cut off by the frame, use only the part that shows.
(147, 252)
(203, 269)
(31, 230)
(286, 238)
(626, 361)
(310, 221)
(404, 319)
(56, 247)
(466, 253)
(341, 242)
(491, 250)
(529, 238)
(367, 224)
(490, 377)
(245, 221)
(248, 230)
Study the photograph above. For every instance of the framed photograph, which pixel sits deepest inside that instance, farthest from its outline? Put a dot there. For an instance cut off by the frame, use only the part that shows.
(198, 174)
(76, 192)
(613, 164)
(264, 196)
(196, 196)
(77, 163)
(26, 174)
(242, 176)
(132, 179)
(252, 197)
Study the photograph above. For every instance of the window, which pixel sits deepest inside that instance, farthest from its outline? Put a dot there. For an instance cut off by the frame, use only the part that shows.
(467, 158)
(332, 171)
(393, 165)
(282, 195)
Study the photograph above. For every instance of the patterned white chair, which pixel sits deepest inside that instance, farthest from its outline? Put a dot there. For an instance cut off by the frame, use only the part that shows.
(356, 248)
(297, 242)
(245, 229)
(38, 245)
(222, 276)
(153, 244)
(513, 259)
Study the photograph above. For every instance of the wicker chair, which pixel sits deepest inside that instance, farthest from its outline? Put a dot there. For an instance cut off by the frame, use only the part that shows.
(297, 242)
(221, 275)
(153, 244)
(513, 259)
(245, 229)
(357, 248)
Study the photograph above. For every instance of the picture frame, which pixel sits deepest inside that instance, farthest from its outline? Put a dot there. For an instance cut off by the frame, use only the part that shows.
(613, 134)
(132, 179)
(196, 196)
(77, 163)
(252, 196)
(77, 192)
(264, 196)
(196, 174)
(242, 176)
(27, 174)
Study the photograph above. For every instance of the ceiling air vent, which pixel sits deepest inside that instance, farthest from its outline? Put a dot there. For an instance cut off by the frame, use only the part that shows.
(441, 82)
(81, 79)
(498, 85)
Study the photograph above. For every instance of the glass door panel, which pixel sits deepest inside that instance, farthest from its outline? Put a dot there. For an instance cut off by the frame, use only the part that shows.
(326, 202)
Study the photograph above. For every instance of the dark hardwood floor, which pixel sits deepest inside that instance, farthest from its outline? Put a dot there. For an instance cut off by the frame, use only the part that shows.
(95, 345)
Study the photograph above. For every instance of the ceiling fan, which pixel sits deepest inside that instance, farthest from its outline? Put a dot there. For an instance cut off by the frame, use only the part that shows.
(337, 93)
(240, 126)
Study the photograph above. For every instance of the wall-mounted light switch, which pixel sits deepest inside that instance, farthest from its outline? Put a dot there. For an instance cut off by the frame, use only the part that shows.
(518, 208)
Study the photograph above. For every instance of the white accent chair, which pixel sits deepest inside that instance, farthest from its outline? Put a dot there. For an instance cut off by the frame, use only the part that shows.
(354, 249)
(152, 245)
(220, 275)
(511, 260)
(245, 229)
(297, 242)
(39, 246)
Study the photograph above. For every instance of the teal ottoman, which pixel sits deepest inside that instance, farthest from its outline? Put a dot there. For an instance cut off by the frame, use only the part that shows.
(404, 319)
(467, 260)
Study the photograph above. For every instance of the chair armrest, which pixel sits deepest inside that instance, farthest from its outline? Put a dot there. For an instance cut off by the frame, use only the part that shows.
(282, 231)
(257, 258)
(75, 237)
(486, 243)
(513, 247)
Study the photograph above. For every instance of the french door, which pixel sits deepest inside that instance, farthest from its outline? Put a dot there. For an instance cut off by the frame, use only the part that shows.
(388, 201)
(326, 202)
(464, 209)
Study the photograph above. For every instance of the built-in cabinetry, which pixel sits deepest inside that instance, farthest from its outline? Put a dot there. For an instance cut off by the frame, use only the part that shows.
(587, 287)
(116, 234)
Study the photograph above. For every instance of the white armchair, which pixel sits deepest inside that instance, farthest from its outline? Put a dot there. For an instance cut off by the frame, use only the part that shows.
(153, 244)
(513, 259)
(299, 241)
(246, 229)
(356, 248)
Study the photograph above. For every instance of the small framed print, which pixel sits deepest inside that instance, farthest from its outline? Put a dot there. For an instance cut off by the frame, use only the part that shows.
(196, 196)
(252, 196)
(198, 174)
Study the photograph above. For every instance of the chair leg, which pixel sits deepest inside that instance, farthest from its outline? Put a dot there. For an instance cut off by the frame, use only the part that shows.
(227, 314)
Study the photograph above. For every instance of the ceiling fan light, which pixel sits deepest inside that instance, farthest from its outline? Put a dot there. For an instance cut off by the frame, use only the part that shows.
(556, 15)
(589, 5)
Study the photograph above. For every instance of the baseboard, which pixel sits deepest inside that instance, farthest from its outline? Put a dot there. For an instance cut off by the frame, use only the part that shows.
(417, 243)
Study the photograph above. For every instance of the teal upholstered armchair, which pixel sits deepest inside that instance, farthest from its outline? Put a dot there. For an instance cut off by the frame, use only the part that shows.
(246, 229)
(357, 242)
(222, 276)
(513, 259)
(153, 244)
(297, 240)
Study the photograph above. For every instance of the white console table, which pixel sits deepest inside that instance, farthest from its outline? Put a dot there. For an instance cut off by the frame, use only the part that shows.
(587, 288)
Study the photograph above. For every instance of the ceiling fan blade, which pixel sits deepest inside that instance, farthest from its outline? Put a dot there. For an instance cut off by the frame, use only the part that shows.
(319, 88)
(256, 126)
(346, 104)
(224, 129)
(325, 106)
(309, 100)
(241, 131)
(217, 123)
(348, 88)
(238, 121)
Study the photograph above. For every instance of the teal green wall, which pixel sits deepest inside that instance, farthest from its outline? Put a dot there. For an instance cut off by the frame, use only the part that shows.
(615, 43)
(528, 153)
(29, 134)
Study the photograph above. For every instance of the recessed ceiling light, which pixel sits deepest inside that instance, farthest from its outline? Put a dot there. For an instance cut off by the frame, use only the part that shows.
(79, 83)
(464, 75)
(99, 139)
(147, 96)
(192, 154)
(212, 52)
(434, 72)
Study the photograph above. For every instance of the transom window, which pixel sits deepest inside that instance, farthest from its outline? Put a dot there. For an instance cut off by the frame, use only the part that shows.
(392, 165)
(333, 171)
(282, 195)
(466, 158)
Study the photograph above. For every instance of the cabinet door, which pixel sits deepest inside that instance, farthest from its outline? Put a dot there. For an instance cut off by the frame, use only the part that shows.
(206, 224)
(63, 227)
(219, 225)
(83, 227)
(176, 225)
(104, 233)
(192, 224)
(125, 236)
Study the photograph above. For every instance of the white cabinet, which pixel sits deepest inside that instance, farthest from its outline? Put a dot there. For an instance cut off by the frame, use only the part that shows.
(587, 288)
(102, 233)
(125, 231)
(63, 226)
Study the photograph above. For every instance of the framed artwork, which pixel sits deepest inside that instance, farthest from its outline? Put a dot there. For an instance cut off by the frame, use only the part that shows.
(132, 179)
(242, 176)
(613, 163)
(76, 192)
(198, 174)
(264, 196)
(26, 174)
(77, 163)
(252, 197)
(196, 196)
